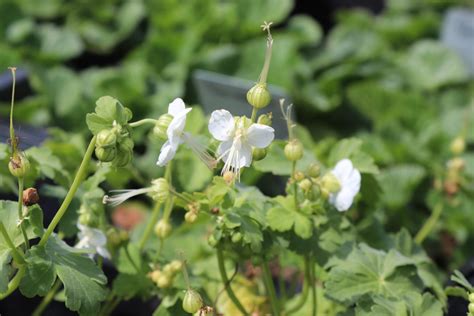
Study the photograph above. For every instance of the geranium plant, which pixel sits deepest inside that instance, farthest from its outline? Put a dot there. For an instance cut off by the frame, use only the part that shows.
(235, 250)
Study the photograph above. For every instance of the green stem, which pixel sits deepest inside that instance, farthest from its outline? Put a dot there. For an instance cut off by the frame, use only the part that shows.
(429, 224)
(149, 227)
(141, 122)
(81, 172)
(14, 283)
(47, 299)
(313, 287)
(254, 114)
(225, 280)
(20, 212)
(304, 294)
(12, 130)
(267, 279)
(268, 58)
(295, 185)
(16, 254)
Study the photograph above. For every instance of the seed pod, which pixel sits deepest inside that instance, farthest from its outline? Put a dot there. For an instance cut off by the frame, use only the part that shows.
(259, 153)
(30, 197)
(192, 301)
(258, 96)
(161, 126)
(294, 150)
(162, 228)
(19, 165)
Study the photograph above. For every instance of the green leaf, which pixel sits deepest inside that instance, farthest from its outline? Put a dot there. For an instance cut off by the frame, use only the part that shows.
(306, 29)
(193, 174)
(283, 216)
(413, 305)
(59, 43)
(5, 270)
(83, 280)
(367, 271)
(107, 111)
(35, 219)
(351, 148)
(428, 65)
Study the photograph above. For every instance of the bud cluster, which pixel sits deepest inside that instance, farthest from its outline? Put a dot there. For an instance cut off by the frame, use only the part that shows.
(164, 278)
(114, 145)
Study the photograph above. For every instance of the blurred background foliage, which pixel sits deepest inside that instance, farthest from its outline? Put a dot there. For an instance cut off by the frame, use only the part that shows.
(385, 78)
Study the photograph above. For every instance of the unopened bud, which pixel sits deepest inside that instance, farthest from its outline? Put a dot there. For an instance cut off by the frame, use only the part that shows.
(192, 301)
(19, 165)
(228, 177)
(163, 281)
(160, 190)
(305, 185)
(30, 196)
(456, 164)
(471, 308)
(113, 237)
(236, 237)
(105, 154)
(330, 183)
(106, 138)
(258, 96)
(471, 297)
(212, 241)
(155, 275)
(298, 176)
(176, 266)
(161, 126)
(458, 145)
(258, 153)
(265, 119)
(162, 228)
(314, 170)
(294, 150)
(190, 217)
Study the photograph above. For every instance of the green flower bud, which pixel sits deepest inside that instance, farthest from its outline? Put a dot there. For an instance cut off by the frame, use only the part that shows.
(212, 241)
(259, 153)
(265, 119)
(87, 219)
(258, 96)
(294, 150)
(105, 154)
(190, 217)
(124, 235)
(305, 185)
(161, 126)
(471, 297)
(113, 237)
(168, 270)
(314, 170)
(163, 281)
(160, 190)
(162, 228)
(19, 165)
(176, 266)
(458, 145)
(155, 275)
(236, 237)
(122, 158)
(106, 138)
(330, 183)
(299, 176)
(192, 301)
(471, 308)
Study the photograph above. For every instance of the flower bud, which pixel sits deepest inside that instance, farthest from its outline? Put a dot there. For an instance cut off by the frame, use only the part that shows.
(294, 150)
(212, 241)
(305, 185)
(86, 219)
(471, 308)
(161, 126)
(176, 266)
(155, 275)
(236, 237)
(314, 170)
(105, 154)
(162, 228)
(113, 237)
(259, 153)
(471, 297)
(330, 183)
(258, 96)
(299, 176)
(192, 301)
(124, 235)
(265, 119)
(228, 177)
(106, 138)
(163, 281)
(458, 145)
(19, 165)
(190, 217)
(160, 190)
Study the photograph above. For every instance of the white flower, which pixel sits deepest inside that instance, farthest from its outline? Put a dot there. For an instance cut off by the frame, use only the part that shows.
(92, 239)
(237, 139)
(349, 180)
(176, 136)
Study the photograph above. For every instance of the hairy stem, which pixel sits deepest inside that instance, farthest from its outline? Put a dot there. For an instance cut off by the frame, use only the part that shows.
(12, 130)
(149, 227)
(14, 283)
(142, 122)
(81, 173)
(20, 212)
(16, 254)
(267, 279)
(47, 299)
(295, 185)
(225, 280)
(429, 224)
(254, 114)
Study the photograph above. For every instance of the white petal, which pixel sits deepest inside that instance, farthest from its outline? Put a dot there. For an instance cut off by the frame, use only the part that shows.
(223, 149)
(343, 169)
(176, 127)
(167, 153)
(103, 252)
(176, 107)
(352, 182)
(342, 200)
(221, 125)
(260, 136)
(245, 156)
